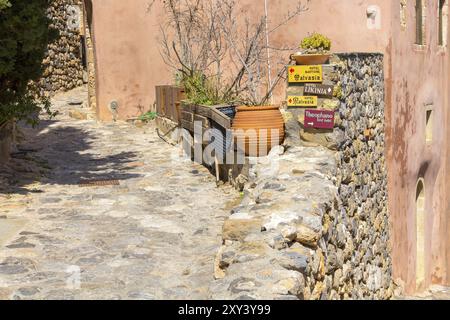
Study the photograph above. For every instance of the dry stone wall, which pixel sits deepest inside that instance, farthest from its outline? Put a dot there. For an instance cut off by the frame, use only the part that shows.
(314, 223)
(63, 68)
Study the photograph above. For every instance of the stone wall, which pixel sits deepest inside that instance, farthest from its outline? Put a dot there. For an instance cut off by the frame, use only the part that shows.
(313, 223)
(63, 63)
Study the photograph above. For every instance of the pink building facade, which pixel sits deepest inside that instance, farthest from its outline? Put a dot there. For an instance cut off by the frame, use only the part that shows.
(413, 38)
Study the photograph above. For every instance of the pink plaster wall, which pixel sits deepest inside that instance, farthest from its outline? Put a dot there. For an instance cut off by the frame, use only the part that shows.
(128, 62)
(419, 78)
(129, 66)
(127, 50)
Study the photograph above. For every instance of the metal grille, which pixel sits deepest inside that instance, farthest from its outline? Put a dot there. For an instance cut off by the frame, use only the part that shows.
(99, 183)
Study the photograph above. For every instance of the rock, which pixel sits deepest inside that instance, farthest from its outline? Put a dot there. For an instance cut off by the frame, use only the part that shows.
(292, 286)
(292, 260)
(78, 115)
(307, 236)
(277, 242)
(238, 229)
(15, 266)
(330, 104)
(317, 292)
(243, 284)
(289, 233)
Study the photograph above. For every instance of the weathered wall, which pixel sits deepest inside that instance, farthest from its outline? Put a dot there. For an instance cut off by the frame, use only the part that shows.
(129, 66)
(63, 66)
(418, 81)
(317, 215)
(128, 55)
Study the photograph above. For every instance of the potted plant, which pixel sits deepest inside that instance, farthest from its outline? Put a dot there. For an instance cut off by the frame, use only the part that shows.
(315, 50)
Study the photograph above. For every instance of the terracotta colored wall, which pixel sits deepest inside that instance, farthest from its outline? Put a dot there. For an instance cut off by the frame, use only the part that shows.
(127, 57)
(419, 78)
(129, 66)
(127, 50)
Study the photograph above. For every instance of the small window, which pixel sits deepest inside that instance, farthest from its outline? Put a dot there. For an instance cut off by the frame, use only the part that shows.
(429, 126)
(443, 22)
(420, 22)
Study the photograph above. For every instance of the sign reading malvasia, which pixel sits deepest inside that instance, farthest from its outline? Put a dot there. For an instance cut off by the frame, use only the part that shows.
(319, 119)
(323, 90)
(302, 101)
(302, 74)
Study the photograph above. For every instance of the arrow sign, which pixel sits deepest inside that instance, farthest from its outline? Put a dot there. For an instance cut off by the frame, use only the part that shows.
(319, 119)
(322, 90)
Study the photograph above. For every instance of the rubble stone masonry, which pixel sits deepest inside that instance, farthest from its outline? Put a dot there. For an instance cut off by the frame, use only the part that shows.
(63, 62)
(316, 225)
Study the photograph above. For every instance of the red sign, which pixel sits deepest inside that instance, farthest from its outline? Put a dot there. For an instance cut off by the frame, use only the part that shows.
(319, 119)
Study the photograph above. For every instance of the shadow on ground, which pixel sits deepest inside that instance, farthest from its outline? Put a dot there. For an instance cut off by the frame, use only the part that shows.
(62, 155)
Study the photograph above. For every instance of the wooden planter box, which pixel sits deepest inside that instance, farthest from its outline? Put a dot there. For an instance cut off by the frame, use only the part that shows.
(217, 117)
(167, 101)
(209, 116)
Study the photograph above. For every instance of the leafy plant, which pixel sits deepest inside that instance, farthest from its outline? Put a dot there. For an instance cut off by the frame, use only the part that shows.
(316, 42)
(148, 116)
(219, 54)
(4, 4)
(24, 35)
(202, 90)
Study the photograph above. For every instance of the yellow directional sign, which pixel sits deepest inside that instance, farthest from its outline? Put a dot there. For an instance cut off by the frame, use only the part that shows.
(302, 101)
(302, 74)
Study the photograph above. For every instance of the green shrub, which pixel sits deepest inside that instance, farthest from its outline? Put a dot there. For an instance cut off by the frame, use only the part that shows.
(316, 42)
(201, 89)
(4, 4)
(24, 36)
(148, 116)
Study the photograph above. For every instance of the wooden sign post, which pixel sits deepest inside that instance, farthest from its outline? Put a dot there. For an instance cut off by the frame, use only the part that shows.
(303, 74)
(319, 119)
(302, 101)
(322, 90)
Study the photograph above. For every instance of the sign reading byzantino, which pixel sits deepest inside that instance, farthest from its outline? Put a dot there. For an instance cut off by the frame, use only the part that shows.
(319, 119)
(302, 74)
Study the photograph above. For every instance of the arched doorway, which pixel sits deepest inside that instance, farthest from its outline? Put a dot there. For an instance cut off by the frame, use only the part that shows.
(420, 234)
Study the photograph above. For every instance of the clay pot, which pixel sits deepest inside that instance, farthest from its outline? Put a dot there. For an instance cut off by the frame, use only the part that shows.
(310, 59)
(258, 129)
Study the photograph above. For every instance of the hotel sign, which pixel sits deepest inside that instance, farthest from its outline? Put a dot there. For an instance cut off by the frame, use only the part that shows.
(322, 90)
(302, 74)
(302, 101)
(319, 119)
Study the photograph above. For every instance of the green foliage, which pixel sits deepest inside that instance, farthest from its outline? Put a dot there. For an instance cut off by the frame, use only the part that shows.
(201, 89)
(4, 4)
(148, 116)
(24, 35)
(317, 42)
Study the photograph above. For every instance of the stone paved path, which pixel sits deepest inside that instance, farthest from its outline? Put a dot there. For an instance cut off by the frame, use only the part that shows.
(435, 292)
(154, 236)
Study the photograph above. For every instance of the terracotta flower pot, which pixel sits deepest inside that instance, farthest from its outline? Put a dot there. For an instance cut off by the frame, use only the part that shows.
(258, 129)
(310, 59)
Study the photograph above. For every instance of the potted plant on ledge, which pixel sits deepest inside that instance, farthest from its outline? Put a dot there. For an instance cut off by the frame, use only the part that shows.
(315, 50)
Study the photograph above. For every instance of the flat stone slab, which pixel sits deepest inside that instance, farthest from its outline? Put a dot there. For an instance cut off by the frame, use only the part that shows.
(154, 235)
